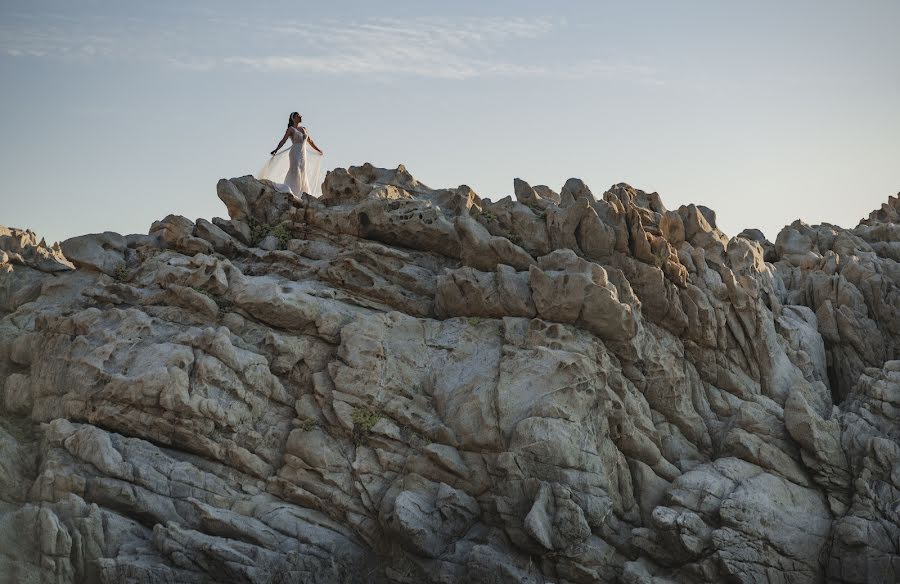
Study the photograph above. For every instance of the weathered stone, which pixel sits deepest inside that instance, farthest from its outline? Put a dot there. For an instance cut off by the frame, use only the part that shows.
(22, 247)
(234, 200)
(404, 384)
(103, 252)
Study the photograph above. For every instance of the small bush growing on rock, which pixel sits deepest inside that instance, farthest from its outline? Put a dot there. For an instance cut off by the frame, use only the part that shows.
(307, 425)
(258, 231)
(121, 272)
(282, 234)
(363, 421)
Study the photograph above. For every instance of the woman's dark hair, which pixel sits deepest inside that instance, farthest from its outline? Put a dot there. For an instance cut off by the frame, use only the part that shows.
(291, 118)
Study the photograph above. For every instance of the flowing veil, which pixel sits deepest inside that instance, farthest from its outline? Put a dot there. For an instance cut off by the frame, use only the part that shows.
(276, 168)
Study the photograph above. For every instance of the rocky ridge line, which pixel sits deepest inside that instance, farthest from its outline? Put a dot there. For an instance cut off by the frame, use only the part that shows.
(396, 383)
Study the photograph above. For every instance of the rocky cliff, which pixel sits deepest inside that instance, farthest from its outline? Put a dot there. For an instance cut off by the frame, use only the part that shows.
(400, 384)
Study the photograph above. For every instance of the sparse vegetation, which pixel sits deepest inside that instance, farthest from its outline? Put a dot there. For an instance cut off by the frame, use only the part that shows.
(121, 272)
(259, 231)
(364, 420)
(282, 234)
(307, 425)
(474, 320)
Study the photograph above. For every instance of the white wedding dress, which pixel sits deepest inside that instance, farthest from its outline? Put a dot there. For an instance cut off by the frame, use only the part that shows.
(296, 169)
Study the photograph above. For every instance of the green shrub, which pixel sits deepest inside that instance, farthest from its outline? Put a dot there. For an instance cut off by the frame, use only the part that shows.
(307, 425)
(121, 272)
(363, 421)
(258, 231)
(282, 234)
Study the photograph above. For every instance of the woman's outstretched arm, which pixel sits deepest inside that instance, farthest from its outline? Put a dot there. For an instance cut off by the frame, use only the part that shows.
(283, 140)
(313, 144)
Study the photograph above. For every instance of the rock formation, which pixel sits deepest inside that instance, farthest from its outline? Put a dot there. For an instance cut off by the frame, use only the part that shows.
(400, 384)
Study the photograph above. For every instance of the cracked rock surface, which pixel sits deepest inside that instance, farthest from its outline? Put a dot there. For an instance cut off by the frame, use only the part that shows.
(401, 384)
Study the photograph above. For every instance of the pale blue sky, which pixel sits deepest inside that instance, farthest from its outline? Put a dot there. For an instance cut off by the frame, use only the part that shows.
(115, 114)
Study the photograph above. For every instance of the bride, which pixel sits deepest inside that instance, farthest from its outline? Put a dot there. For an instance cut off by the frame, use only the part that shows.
(293, 170)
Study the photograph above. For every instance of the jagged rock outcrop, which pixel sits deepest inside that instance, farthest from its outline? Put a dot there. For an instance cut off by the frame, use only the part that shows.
(23, 263)
(395, 383)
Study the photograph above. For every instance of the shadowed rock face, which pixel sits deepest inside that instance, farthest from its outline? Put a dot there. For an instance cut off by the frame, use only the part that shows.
(402, 384)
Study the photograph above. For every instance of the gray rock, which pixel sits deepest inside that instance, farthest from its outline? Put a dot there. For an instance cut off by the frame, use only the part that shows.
(425, 386)
(104, 252)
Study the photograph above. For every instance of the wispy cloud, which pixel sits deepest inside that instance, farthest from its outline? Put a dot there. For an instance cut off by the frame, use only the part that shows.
(423, 47)
(461, 48)
(58, 36)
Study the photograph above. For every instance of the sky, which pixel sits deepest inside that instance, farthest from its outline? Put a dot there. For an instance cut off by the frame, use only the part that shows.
(116, 114)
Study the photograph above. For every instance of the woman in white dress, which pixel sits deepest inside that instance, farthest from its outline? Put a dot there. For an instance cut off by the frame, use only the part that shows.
(298, 171)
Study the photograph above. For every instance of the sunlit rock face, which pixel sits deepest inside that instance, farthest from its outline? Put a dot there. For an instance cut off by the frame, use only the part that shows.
(401, 384)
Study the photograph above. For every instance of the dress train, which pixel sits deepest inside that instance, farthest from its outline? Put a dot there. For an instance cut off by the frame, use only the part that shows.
(295, 169)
